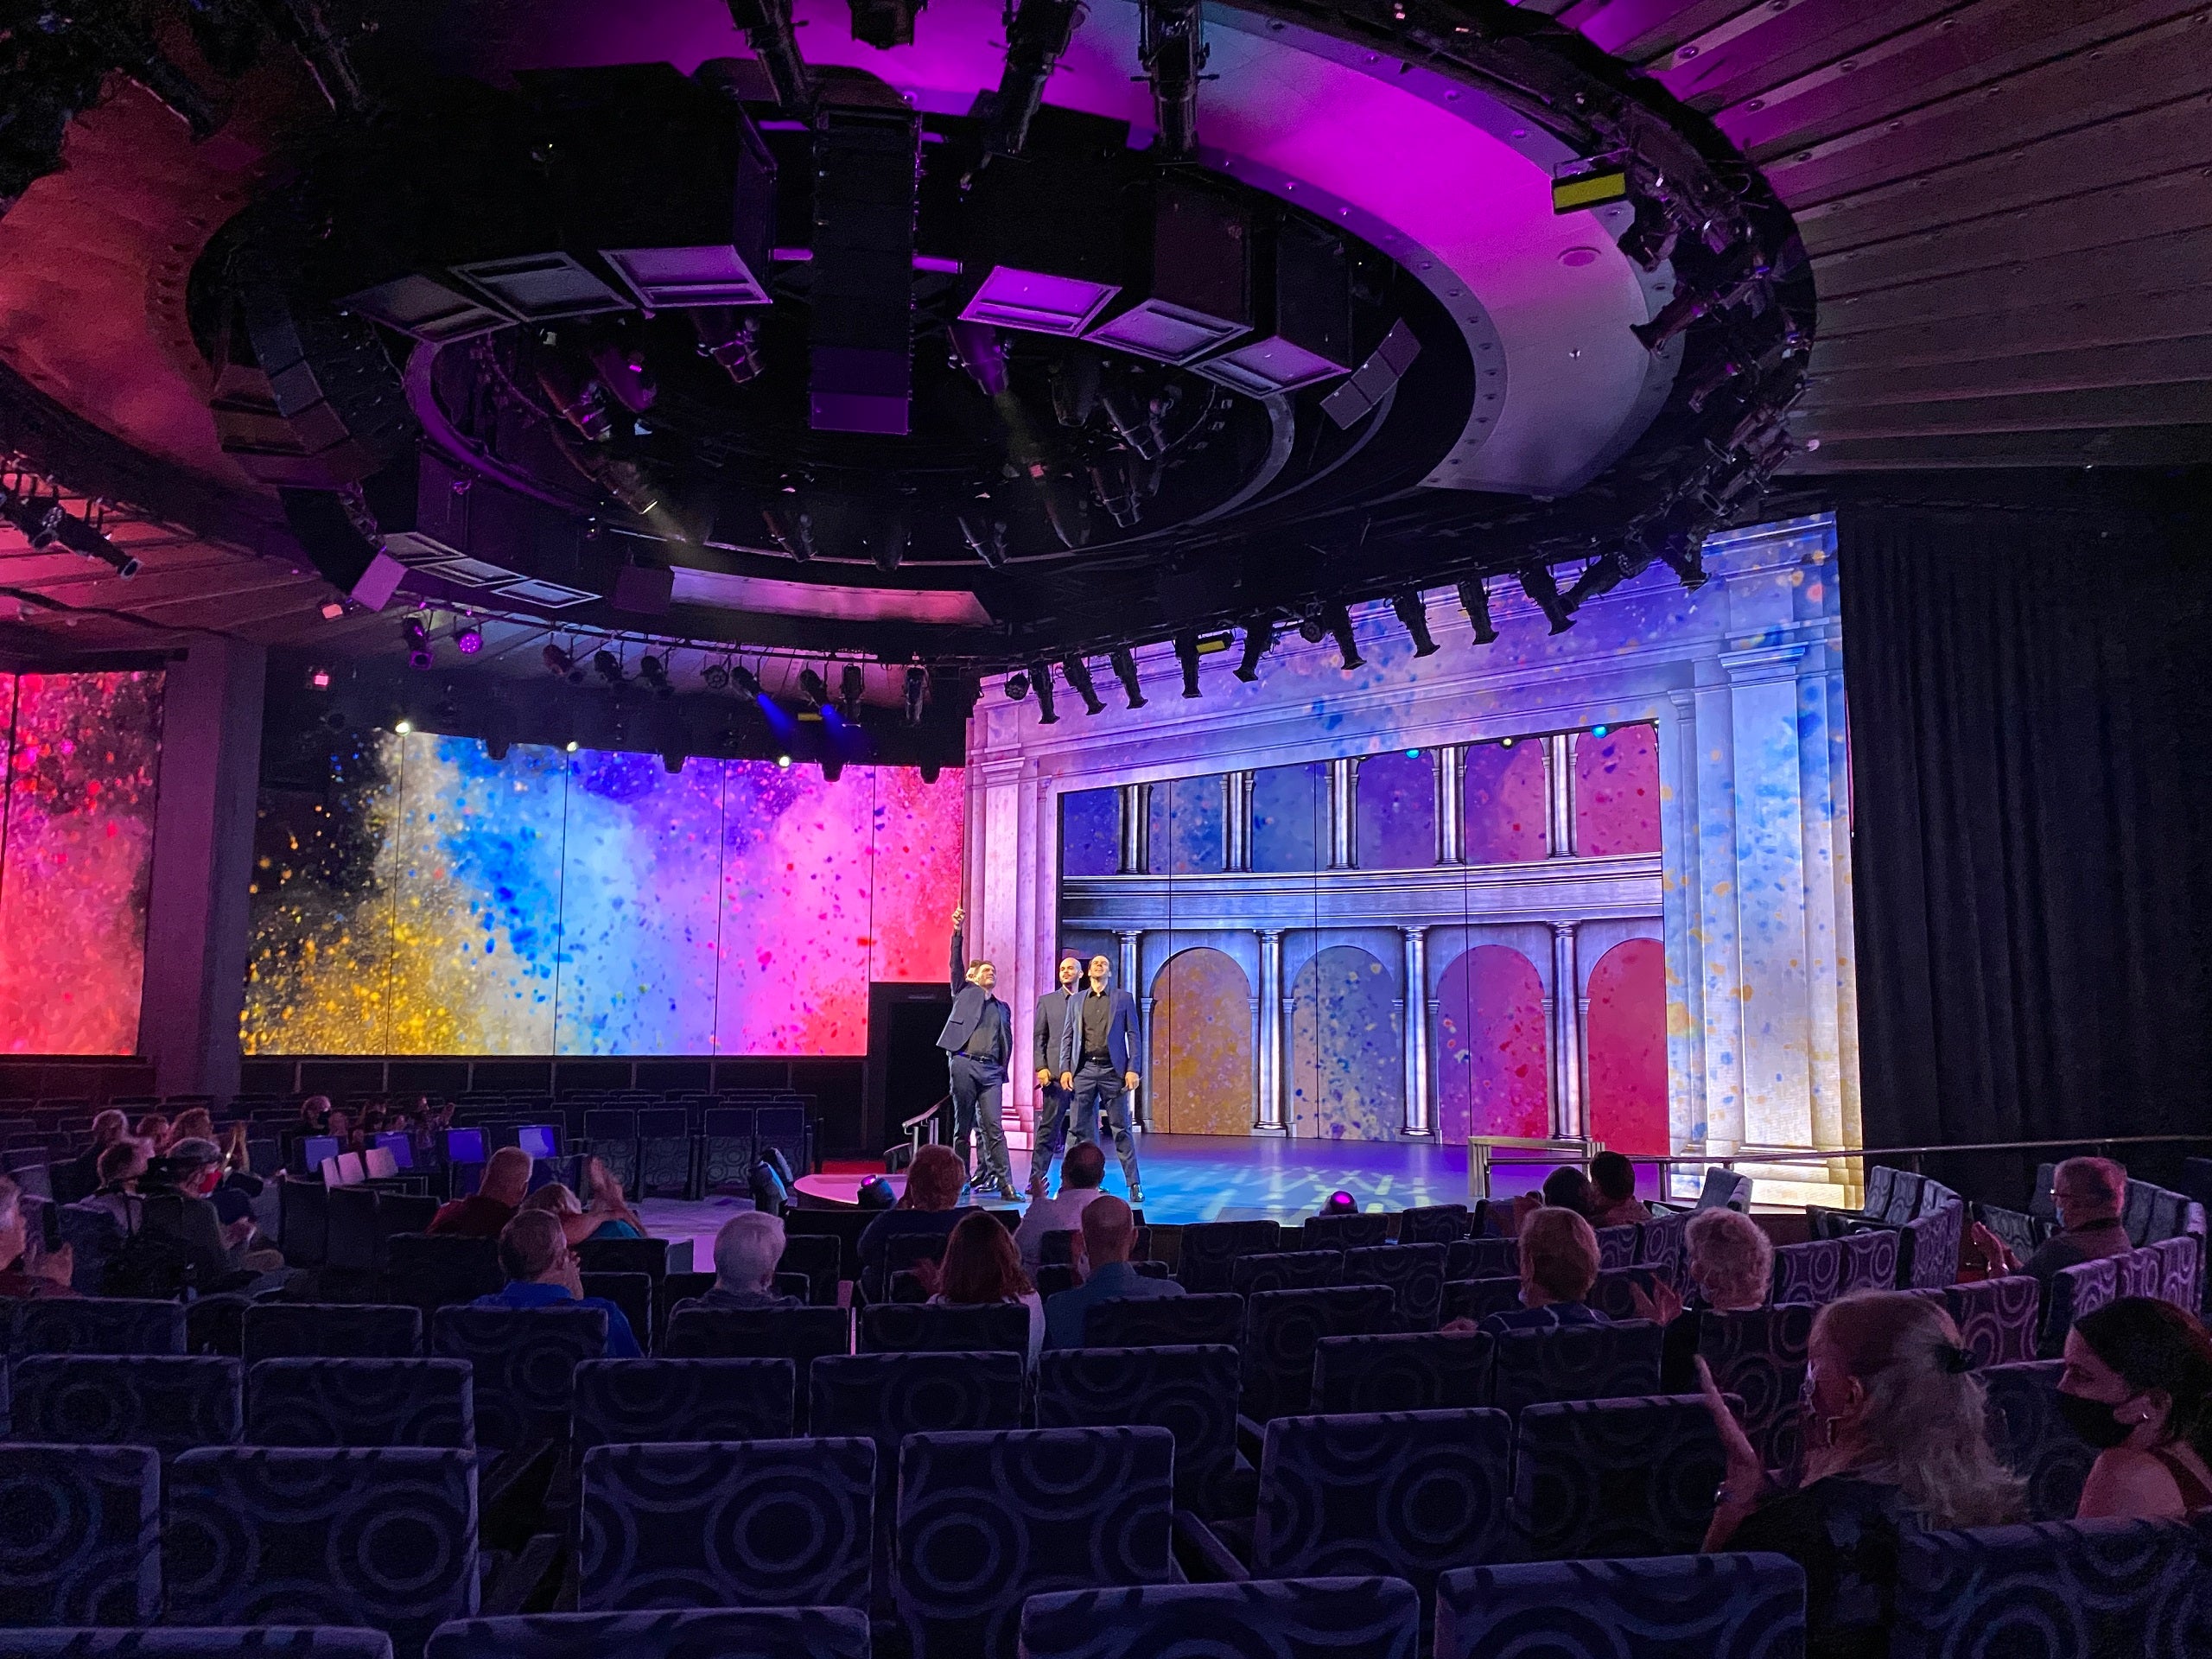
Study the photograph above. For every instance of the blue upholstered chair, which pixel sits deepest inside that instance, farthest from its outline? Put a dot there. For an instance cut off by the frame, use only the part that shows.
(1613, 1292)
(1343, 1232)
(2054, 1590)
(430, 1272)
(1422, 1370)
(1870, 1260)
(1477, 1299)
(1617, 1247)
(1280, 1329)
(1759, 1356)
(1208, 1248)
(751, 1523)
(801, 1335)
(986, 1520)
(1189, 1391)
(2033, 1441)
(1733, 1606)
(525, 1361)
(80, 1536)
(169, 1401)
(1614, 1477)
(331, 1331)
(1575, 1361)
(1259, 1618)
(258, 1642)
(1811, 1273)
(97, 1325)
(384, 1538)
(1432, 1223)
(1200, 1319)
(1928, 1247)
(1663, 1241)
(1997, 1317)
(717, 1633)
(906, 1328)
(2072, 1291)
(1482, 1258)
(1286, 1270)
(627, 1401)
(1415, 1274)
(361, 1402)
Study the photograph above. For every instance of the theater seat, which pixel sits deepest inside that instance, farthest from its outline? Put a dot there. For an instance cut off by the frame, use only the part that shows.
(2033, 1441)
(331, 1331)
(1210, 1247)
(1189, 1391)
(630, 1402)
(1759, 1357)
(262, 1642)
(1584, 1362)
(1422, 1370)
(1432, 1223)
(2055, 1589)
(1997, 1317)
(1343, 1232)
(1614, 1477)
(1375, 1618)
(1280, 1329)
(525, 1361)
(1415, 1274)
(718, 1633)
(1731, 1606)
(80, 1536)
(1286, 1270)
(361, 1402)
(97, 1325)
(1199, 1319)
(169, 1401)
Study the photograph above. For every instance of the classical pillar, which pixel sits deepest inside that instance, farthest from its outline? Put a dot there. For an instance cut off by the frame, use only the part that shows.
(1451, 803)
(1566, 1036)
(1344, 814)
(1141, 800)
(1237, 821)
(1559, 792)
(1418, 1119)
(1125, 830)
(1128, 969)
(1269, 1119)
(1679, 908)
(1713, 745)
(1140, 1107)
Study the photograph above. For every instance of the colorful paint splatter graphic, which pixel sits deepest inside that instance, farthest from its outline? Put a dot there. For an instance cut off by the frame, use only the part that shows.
(76, 858)
(433, 901)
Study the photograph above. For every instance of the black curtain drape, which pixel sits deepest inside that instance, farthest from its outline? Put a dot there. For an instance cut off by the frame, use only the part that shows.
(2031, 700)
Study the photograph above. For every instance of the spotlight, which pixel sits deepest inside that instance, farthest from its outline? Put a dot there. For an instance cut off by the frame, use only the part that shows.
(1115, 488)
(812, 687)
(746, 682)
(654, 672)
(403, 726)
(886, 541)
(1125, 670)
(852, 686)
(931, 771)
(495, 748)
(1413, 611)
(416, 632)
(793, 532)
(469, 640)
(50, 528)
(1259, 640)
(1607, 572)
(833, 766)
(1536, 582)
(1078, 677)
(1038, 32)
(1685, 558)
(1474, 598)
(1312, 629)
(1041, 680)
(672, 761)
(571, 747)
(884, 23)
(560, 663)
(1172, 52)
(714, 677)
(730, 339)
(783, 763)
(986, 541)
(1186, 658)
(1017, 687)
(607, 666)
(1338, 621)
(916, 688)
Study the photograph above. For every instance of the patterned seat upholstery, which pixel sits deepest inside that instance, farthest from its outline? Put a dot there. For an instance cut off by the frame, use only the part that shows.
(80, 1536)
(1286, 1270)
(1614, 1477)
(2072, 1291)
(1402, 1495)
(645, 1255)
(97, 1325)
(1278, 1618)
(751, 1523)
(1280, 1329)
(1415, 1274)
(331, 1331)
(525, 1361)
(1210, 1247)
(816, 1256)
(892, 1327)
(1997, 1317)
(264, 1642)
(168, 1401)
(1731, 1606)
(1482, 1258)
(2053, 1590)
(1663, 1241)
(1477, 1299)
(1197, 1320)
(987, 1520)
(1343, 1232)
(279, 1535)
(726, 1149)
(2034, 1441)
(1810, 1274)
(1613, 1293)
(1422, 1370)
(1870, 1260)
(717, 1633)
(1617, 1247)
(1928, 1247)
(361, 1402)
(630, 1402)
(1759, 1356)
(431, 1273)
(801, 1334)
(1432, 1223)
(2171, 1269)
(1189, 1391)
(2022, 1233)
(1575, 1361)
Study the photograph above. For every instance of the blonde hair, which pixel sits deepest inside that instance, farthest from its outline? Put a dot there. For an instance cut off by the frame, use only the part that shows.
(1732, 1259)
(1924, 1429)
(1559, 1254)
(555, 1197)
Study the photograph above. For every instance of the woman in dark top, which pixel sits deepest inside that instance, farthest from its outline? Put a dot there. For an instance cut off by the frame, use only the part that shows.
(1731, 1269)
(2137, 1386)
(1894, 1441)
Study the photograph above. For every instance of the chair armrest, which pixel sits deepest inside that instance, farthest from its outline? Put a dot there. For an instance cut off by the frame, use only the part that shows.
(1205, 1557)
(1251, 1439)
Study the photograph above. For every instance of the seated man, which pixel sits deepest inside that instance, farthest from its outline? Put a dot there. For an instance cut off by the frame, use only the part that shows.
(1559, 1263)
(78, 1177)
(1614, 1203)
(116, 1192)
(542, 1272)
(746, 1253)
(933, 1184)
(1081, 1171)
(485, 1212)
(21, 1277)
(2089, 1193)
(1101, 1257)
(190, 1172)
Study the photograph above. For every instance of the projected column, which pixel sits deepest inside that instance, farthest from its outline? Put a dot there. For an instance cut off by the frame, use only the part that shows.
(1344, 814)
(1418, 1121)
(1566, 1035)
(1269, 1119)
(1559, 794)
(1451, 806)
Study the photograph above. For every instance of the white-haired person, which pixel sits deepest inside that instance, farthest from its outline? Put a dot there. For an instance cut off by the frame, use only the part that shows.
(747, 1250)
(1731, 1271)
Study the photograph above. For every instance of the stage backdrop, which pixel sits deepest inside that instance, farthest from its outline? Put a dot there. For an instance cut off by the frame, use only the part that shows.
(433, 901)
(1596, 881)
(76, 858)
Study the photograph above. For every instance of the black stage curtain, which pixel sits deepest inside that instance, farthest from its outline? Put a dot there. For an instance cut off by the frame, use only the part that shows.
(2031, 698)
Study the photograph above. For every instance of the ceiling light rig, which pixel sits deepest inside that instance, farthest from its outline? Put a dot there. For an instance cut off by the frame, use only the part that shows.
(1173, 51)
(1474, 598)
(1078, 673)
(1040, 682)
(1536, 582)
(1259, 640)
(1125, 670)
(1413, 615)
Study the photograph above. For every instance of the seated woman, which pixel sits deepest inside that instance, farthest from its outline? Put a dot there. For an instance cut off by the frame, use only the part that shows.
(2137, 1386)
(980, 1268)
(1894, 1440)
(609, 1215)
(194, 1123)
(1731, 1269)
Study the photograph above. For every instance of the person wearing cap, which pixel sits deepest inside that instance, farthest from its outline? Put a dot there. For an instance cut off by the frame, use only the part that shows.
(190, 1170)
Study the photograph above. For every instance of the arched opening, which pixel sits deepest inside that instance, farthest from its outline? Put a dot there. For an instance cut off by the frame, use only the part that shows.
(1202, 1071)
(1347, 1049)
(1397, 812)
(1627, 1043)
(1490, 1047)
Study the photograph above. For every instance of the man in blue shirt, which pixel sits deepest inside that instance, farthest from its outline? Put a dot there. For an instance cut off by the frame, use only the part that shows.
(1103, 1246)
(542, 1272)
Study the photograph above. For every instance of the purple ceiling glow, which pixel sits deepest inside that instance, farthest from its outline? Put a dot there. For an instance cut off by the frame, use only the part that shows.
(1039, 302)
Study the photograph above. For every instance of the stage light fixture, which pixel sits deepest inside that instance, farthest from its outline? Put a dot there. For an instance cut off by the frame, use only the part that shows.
(559, 662)
(986, 541)
(469, 640)
(911, 693)
(1186, 658)
(1041, 680)
(654, 672)
(783, 762)
(403, 726)
(931, 771)
(767, 25)
(714, 677)
(833, 766)
(813, 687)
(1413, 612)
(1017, 687)
(1338, 622)
(1685, 557)
(607, 666)
(852, 686)
(672, 761)
(416, 631)
(1536, 582)
(1037, 32)
(1259, 640)
(495, 748)
(1173, 50)
(793, 532)
(730, 339)
(1078, 678)
(1474, 598)
(1125, 670)
(884, 23)
(745, 680)
(50, 528)
(571, 747)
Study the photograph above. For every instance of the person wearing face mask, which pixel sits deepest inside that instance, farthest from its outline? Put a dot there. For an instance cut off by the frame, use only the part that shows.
(1894, 1441)
(2137, 1386)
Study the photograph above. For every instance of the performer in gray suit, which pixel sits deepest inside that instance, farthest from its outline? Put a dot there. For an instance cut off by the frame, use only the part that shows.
(1052, 1101)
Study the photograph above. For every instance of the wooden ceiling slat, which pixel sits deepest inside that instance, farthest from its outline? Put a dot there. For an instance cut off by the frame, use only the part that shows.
(2067, 324)
(1734, 63)
(2176, 446)
(2136, 364)
(1634, 30)
(2154, 265)
(2180, 403)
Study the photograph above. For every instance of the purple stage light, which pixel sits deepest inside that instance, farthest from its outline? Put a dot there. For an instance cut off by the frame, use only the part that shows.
(1038, 302)
(1166, 331)
(1259, 368)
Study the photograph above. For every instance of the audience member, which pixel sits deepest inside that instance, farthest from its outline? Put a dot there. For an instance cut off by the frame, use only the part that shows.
(1103, 1246)
(1615, 1203)
(195, 1170)
(314, 1110)
(579, 1224)
(747, 1250)
(1895, 1439)
(608, 1211)
(153, 1129)
(1731, 1271)
(982, 1268)
(339, 1128)
(2089, 1193)
(1559, 1263)
(934, 1181)
(234, 1194)
(2137, 1386)
(115, 1197)
(194, 1123)
(80, 1175)
(1081, 1171)
(1565, 1188)
(25, 1274)
(485, 1212)
(543, 1271)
